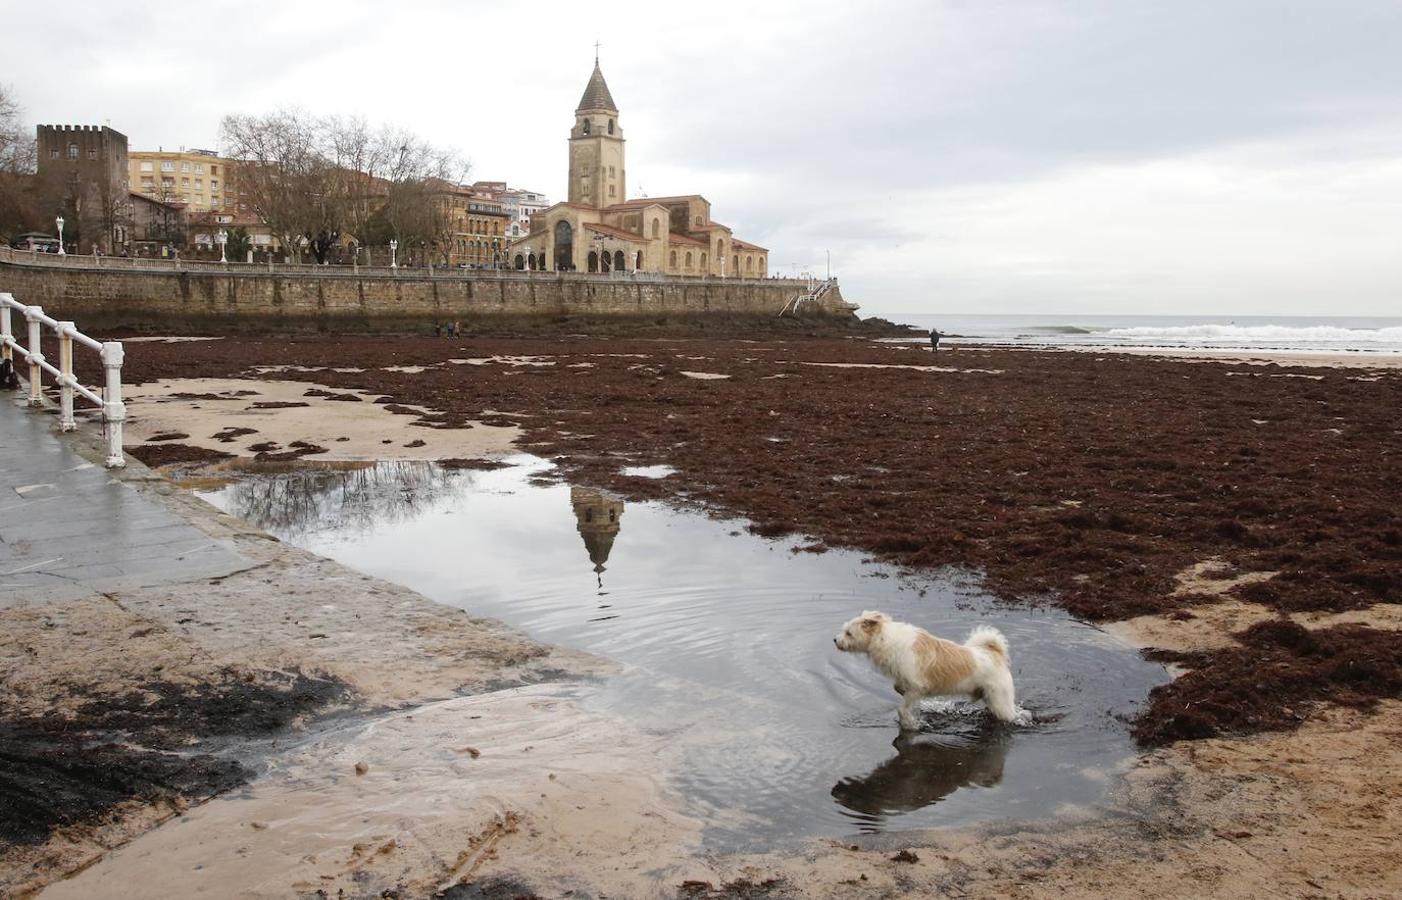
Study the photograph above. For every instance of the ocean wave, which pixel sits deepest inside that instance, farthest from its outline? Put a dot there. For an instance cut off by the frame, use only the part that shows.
(1060, 329)
(1331, 335)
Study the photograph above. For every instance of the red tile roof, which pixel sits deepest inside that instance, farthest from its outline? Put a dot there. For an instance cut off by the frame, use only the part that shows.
(615, 232)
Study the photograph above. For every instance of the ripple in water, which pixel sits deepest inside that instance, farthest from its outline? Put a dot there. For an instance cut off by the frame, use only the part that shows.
(727, 641)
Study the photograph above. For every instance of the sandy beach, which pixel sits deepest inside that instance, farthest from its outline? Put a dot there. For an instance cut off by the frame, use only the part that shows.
(1229, 516)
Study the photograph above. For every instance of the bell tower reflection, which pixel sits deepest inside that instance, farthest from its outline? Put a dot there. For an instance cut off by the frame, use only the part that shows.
(596, 516)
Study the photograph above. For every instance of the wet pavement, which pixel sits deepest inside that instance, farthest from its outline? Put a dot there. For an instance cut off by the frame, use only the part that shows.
(68, 528)
(726, 639)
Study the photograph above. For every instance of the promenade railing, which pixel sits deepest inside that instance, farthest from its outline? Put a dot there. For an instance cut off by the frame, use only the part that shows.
(114, 412)
(89, 262)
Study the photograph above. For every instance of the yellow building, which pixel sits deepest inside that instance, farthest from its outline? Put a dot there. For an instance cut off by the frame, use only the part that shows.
(476, 226)
(197, 178)
(598, 229)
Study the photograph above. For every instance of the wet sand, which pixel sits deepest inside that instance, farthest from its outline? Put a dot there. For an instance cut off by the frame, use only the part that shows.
(1183, 499)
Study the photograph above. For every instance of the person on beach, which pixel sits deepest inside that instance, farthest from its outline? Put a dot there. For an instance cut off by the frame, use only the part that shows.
(935, 340)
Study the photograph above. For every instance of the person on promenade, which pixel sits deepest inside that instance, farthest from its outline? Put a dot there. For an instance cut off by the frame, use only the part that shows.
(437, 329)
(935, 340)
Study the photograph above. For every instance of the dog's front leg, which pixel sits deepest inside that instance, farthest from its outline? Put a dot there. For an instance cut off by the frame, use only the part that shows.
(909, 720)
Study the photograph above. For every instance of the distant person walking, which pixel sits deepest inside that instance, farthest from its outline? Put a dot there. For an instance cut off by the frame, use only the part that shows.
(935, 340)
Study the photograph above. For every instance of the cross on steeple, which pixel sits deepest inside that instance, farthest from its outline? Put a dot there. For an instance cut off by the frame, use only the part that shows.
(596, 52)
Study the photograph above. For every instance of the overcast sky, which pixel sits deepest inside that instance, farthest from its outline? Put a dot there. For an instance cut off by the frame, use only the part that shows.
(1106, 156)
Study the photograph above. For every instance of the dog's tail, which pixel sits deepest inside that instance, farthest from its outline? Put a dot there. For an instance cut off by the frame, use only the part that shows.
(991, 639)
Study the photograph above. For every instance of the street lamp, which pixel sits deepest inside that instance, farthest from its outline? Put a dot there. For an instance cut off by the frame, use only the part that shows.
(393, 251)
(59, 223)
(222, 238)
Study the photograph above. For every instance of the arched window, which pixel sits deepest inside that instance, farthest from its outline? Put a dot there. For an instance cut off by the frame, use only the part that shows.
(699, 223)
(610, 126)
(749, 264)
(688, 259)
(736, 264)
(656, 229)
(703, 259)
(593, 261)
(530, 261)
(672, 261)
(586, 126)
(639, 265)
(520, 261)
(618, 263)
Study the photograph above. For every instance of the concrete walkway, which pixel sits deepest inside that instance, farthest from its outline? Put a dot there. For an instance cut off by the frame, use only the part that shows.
(69, 529)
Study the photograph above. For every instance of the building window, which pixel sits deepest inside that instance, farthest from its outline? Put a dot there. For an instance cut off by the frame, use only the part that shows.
(586, 126)
(72, 151)
(147, 167)
(167, 166)
(92, 153)
(185, 167)
(613, 191)
(699, 223)
(53, 154)
(688, 259)
(656, 229)
(610, 126)
(703, 259)
(611, 171)
(673, 259)
(213, 169)
(199, 168)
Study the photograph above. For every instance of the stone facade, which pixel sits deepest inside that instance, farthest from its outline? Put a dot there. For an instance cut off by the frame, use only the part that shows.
(83, 172)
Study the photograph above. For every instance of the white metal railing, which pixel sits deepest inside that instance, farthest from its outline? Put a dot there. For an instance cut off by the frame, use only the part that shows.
(401, 272)
(114, 412)
(815, 293)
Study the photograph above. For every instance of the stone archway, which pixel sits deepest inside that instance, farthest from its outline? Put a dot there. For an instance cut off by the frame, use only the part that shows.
(564, 246)
(520, 261)
(618, 264)
(593, 261)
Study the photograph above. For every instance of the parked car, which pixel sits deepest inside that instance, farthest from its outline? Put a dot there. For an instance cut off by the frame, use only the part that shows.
(37, 241)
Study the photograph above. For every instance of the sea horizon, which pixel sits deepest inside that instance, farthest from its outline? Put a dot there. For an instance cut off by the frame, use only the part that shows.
(1377, 334)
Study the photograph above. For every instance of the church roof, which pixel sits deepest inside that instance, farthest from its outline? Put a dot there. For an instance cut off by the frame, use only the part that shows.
(596, 94)
(615, 232)
(648, 201)
(746, 245)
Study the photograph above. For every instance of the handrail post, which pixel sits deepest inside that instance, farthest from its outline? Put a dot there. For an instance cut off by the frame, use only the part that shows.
(114, 412)
(6, 330)
(31, 315)
(65, 380)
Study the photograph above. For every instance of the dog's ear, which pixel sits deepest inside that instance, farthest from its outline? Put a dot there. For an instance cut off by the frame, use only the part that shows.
(870, 624)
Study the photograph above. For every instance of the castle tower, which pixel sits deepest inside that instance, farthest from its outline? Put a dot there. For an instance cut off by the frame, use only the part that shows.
(596, 147)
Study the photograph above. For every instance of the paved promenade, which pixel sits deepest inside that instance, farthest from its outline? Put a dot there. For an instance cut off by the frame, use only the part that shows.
(68, 528)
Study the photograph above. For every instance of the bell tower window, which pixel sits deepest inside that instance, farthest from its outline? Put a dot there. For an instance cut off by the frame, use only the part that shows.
(610, 126)
(586, 126)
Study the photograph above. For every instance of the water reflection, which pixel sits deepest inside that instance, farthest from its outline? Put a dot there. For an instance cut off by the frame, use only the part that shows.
(926, 769)
(597, 520)
(352, 497)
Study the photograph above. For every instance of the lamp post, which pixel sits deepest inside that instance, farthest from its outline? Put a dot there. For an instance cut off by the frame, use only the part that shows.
(59, 222)
(393, 253)
(222, 238)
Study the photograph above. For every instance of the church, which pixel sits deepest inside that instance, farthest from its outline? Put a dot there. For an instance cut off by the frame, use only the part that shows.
(598, 229)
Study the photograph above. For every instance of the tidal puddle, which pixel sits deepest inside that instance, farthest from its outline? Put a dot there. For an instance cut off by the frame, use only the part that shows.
(726, 640)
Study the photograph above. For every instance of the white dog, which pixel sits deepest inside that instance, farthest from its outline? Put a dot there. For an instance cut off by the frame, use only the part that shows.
(921, 665)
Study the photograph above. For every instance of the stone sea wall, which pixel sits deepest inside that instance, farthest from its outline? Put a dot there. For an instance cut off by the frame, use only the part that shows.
(114, 293)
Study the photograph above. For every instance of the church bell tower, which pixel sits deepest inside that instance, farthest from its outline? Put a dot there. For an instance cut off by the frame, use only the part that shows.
(596, 147)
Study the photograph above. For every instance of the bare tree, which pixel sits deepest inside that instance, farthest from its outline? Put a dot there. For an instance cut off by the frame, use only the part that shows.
(313, 180)
(19, 209)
